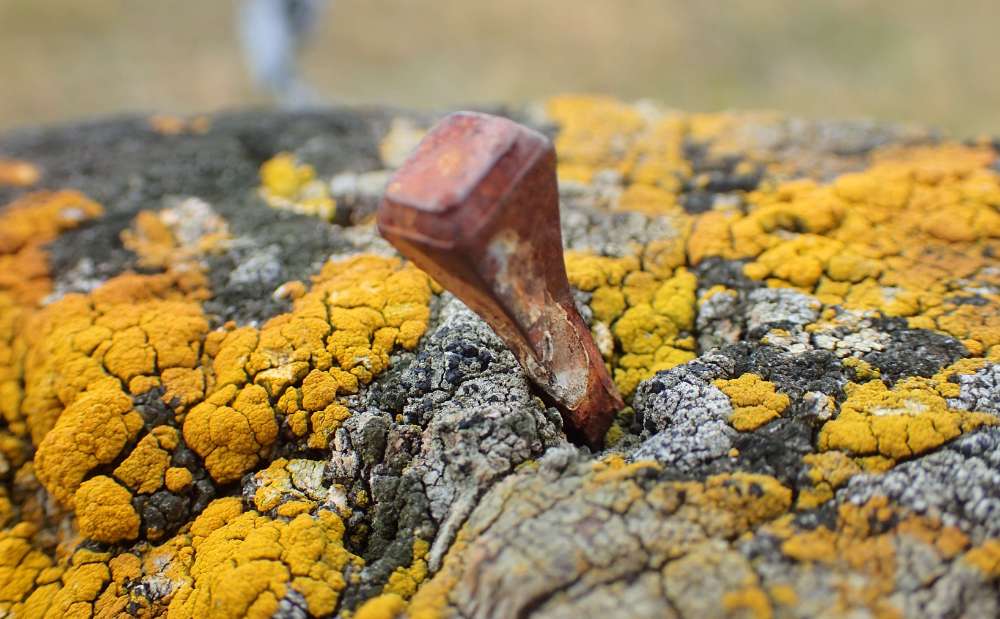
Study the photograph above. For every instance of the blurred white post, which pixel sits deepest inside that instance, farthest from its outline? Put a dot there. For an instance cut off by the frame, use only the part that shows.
(272, 33)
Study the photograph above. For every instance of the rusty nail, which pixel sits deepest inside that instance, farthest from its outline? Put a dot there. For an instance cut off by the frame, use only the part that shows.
(476, 206)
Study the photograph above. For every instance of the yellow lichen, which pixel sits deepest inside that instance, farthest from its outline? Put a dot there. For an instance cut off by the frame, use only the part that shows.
(278, 484)
(754, 400)
(899, 237)
(166, 124)
(986, 557)
(432, 598)
(385, 606)
(76, 593)
(92, 431)
(104, 511)
(650, 317)
(288, 184)
(244, 567)
(907, 420)
(748, 499)
(862, 369)
(177, 479)
(26, 225)
(595, 133)
(144, 469)
(864, 541)
(614, 468)
(828, 471)
(752, 599)
(132, 327)
(24, 570)
(337, 336)
(403, 582)
(914, 235)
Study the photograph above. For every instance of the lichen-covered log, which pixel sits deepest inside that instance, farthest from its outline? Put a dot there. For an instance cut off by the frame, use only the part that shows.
(222, 395)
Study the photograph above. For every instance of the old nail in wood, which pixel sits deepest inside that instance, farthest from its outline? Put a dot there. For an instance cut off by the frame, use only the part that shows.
(476, 206)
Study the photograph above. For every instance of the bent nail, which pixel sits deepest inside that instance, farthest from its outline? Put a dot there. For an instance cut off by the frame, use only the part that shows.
(476, 206)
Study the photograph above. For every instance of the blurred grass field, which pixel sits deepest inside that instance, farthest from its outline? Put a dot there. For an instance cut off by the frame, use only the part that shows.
(918, 60)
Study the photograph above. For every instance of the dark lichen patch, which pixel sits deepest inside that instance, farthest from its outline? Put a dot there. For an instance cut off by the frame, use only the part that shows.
(332, 140)
(913, 352)
(272, 247)
(126, 167)
(794, 373)
(775, 449)
(716, 271)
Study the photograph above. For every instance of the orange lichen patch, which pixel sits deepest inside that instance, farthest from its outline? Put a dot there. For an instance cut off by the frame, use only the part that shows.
(115, 599)
(12, 351)
(122, 335)
(650, 317)
(39, 217)
(900, 237)
(615, 468)
(907, 420)
(285, 183)
(324, 423)
(754, 400)
(289, 481)
(92, 431)
(144, 469)
(864, 541)
(150, 239)
(166, 124)
(828, 471)
(644, 145)
(751, 599)
(72, 592)
(856, 543)
(246, 566)
(175, 238)
(182, 387)
(338, 335)
(290, 290)
(104, 511)
(231, 430)
(16, 173)
(24, 569)
(177, 479)
(25, 226)
(986, 557)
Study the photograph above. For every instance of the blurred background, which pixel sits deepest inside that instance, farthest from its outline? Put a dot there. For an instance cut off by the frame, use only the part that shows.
(916, 60)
